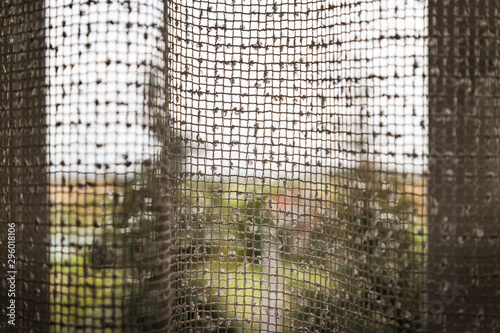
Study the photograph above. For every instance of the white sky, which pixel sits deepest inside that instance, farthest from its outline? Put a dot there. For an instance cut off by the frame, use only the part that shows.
(352, 75)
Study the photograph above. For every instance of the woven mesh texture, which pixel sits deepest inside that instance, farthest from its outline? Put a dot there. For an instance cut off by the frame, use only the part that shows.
(249, 166)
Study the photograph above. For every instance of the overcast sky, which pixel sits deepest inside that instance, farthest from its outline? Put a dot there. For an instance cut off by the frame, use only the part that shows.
(267, 100)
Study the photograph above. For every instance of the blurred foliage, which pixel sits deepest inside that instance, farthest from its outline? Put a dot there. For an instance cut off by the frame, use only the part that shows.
(376, 230)
(223, 222)
(356, 265)
(83, 294)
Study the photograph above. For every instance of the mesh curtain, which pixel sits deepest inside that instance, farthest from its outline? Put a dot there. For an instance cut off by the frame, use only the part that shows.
(249, 166)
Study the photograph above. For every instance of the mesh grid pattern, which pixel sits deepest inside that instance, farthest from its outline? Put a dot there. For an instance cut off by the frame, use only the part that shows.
(249, 166)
